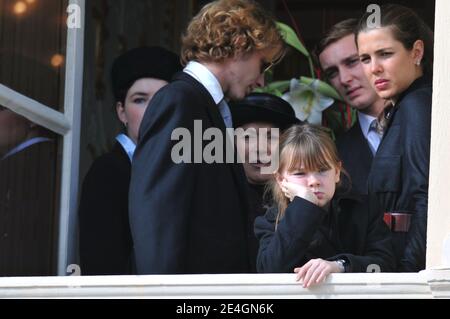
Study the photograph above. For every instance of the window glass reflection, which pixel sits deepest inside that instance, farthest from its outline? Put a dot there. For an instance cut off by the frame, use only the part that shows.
(32, 48)
(28, 181)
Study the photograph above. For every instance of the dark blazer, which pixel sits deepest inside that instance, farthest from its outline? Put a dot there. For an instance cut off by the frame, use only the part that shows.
(105, 237)
(356, 156)
(28, 212)
(186, 217)
(351, 230)
(258, 207)
(399, 174)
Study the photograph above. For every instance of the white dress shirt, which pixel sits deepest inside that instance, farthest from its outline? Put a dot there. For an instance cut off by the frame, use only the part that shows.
(201, 73)
(127, 144)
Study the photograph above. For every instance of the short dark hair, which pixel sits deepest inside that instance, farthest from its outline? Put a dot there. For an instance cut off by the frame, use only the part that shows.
(407, 27)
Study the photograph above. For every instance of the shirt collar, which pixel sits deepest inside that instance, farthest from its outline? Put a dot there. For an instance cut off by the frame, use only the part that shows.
(25, 144)
(365, 121)
(202, 74)
(127, 144)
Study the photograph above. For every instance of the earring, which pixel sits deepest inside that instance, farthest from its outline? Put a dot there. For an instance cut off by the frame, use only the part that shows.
(418, 62)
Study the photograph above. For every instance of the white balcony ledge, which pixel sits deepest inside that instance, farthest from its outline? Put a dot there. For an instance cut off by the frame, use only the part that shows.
(426, 284)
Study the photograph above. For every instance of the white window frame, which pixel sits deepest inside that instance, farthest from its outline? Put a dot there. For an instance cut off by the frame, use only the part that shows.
(73, 95)
(67, 124)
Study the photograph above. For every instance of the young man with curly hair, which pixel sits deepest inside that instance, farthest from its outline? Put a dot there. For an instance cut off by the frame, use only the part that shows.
(190, 216)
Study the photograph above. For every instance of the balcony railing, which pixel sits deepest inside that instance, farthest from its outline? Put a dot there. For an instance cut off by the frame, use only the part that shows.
(426, 284)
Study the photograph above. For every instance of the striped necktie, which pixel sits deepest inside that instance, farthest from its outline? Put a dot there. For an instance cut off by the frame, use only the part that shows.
(224, 110)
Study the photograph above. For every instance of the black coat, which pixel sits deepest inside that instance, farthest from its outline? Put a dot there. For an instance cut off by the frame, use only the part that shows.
(258, 207)
(399, 174)
(187, 217)
(356, 156)
(105, 237)
(351, 230)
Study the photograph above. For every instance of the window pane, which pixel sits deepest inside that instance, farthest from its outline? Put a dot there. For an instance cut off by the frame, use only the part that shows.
(32, 48)
(29, 188)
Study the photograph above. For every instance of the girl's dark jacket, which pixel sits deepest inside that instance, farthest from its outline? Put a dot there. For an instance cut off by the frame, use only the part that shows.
(352, 229)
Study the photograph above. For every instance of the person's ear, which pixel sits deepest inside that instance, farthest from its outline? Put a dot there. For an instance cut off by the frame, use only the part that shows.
(338, 169)
(120, 109)
(418, 51)
(279, 178)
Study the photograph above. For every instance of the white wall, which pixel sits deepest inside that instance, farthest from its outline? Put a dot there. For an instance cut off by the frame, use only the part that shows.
(439, 191)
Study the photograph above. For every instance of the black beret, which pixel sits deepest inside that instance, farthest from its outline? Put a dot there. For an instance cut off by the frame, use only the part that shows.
(263, 107)
(143, 62)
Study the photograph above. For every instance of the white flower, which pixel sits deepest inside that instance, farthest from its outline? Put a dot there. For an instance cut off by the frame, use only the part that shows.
(307, 102)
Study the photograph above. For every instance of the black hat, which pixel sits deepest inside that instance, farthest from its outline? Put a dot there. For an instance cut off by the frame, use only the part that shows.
(143, 62)
(263, 107)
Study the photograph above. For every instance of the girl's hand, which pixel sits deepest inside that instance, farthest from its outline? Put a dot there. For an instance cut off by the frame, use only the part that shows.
(315, 271)
(291, 190)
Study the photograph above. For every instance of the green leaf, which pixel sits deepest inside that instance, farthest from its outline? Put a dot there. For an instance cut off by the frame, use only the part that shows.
(291, 38)
(323, 87)
(268, 90)
(279, 85)
(276, 88)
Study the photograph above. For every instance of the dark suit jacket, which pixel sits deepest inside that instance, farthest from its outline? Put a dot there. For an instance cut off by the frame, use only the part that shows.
(258, 207)
(28, 214)
(187, 217)
(353, 230)
(399, 174)
(105, 237)
(356, 156)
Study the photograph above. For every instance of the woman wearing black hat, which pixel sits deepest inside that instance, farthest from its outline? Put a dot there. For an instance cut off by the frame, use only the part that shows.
(259, 111)
(105, 239)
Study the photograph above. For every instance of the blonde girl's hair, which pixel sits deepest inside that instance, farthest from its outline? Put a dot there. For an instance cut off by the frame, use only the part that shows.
(304, 145)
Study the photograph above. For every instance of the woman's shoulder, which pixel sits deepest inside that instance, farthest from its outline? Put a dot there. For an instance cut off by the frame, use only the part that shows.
(110, 165)
(417, 97)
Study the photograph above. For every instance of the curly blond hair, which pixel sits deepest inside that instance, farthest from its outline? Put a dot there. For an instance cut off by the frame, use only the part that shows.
(229, 28)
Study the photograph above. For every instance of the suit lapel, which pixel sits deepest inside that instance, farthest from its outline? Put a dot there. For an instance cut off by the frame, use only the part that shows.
(359, 136)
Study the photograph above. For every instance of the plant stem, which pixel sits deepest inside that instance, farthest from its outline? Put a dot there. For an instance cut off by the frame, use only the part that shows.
(311, 67)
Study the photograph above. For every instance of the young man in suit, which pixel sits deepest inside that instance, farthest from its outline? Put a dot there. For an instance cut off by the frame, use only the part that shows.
(191, 216)
(339, 60)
